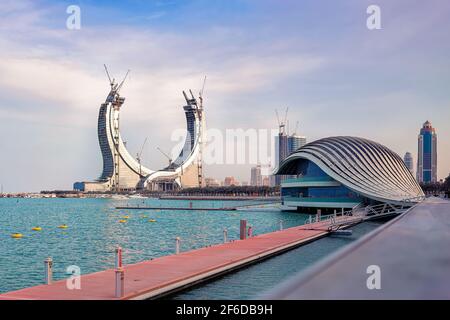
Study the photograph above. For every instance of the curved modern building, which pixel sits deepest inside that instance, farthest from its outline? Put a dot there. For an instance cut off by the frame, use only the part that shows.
(344, 172)
(186, 169)
(121, 171)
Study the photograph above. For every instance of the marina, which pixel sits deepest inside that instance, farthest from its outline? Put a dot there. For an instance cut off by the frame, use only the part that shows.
(93, 231)
(157, 277)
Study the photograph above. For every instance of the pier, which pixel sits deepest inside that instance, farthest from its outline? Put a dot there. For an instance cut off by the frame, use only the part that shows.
(174, 208)
(410, 254)
(164, 275)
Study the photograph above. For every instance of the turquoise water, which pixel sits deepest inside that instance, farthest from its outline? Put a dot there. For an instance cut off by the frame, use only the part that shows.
(251, 282)
(94, 231)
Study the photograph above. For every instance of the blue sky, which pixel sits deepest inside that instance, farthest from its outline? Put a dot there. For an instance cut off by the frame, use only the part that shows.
(316, 57)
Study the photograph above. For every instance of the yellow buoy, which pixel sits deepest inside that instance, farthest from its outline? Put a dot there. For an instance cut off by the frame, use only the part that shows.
(126, 217)
(122, 221)
(36, 228)
(152, 220)
(63, 226)
(17, 235)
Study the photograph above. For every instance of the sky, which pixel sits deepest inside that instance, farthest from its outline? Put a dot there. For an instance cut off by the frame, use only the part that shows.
(316, 57)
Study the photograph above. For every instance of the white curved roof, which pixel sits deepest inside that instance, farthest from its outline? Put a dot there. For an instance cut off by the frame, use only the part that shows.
(361, 165)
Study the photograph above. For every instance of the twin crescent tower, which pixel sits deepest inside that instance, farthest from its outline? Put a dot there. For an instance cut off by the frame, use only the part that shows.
(122, 172)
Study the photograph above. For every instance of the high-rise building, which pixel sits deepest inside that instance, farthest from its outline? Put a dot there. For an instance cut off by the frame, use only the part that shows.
(427, 154)
(230, 181)
(294, 142)
(256, 178)
(281, 151)
(409, 162)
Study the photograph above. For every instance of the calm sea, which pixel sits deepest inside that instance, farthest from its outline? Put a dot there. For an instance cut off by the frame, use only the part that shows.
(94, 231)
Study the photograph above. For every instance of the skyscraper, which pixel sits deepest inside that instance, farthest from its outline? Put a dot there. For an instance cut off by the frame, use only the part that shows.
(281, 152)
(256, 178)
(427, 154)
(409, 162)
(294, 142)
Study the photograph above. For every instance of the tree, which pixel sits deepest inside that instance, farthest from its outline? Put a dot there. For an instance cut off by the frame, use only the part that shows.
(447, 183)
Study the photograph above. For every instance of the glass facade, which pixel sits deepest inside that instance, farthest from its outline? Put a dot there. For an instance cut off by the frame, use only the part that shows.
(319, 192)
(310, 172)
(295, 142)
(427, 154)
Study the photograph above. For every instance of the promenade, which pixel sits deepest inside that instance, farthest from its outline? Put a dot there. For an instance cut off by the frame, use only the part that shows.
(411, 253)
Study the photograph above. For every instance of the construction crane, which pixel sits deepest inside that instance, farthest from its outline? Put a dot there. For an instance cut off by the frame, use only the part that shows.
(200, 95)
(139, 156)
(165, 154)
(296, 128)
(112, 82)
(282, 123)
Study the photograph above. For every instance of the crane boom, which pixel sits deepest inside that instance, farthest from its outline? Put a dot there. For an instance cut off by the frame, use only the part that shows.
(296, 127)
(142, 148)
(123, 81)
(203, 87)
(285, 114)
(107, 73)
(165, 154)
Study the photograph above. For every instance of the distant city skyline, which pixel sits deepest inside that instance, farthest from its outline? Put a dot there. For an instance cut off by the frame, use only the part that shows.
(316, 57)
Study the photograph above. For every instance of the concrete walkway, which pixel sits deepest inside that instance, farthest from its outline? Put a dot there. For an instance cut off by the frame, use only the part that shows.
(412, 252)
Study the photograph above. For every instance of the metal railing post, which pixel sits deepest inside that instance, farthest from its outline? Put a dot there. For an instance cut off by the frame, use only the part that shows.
(118, 258)
(243, 230)
(177, 245)
(48, 270)
(120, 282)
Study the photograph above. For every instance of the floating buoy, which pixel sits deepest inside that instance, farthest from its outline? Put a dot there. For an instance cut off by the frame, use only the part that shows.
(63, 226)
(17, 235)
(123, 221)
(126, 217)
(152, 220)
(36, 228)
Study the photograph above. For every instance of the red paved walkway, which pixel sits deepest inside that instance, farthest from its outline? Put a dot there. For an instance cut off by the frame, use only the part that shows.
(154, 277)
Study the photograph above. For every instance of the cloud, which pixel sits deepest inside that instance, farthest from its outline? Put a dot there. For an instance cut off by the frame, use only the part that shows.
(64, 69)
(335, 75)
